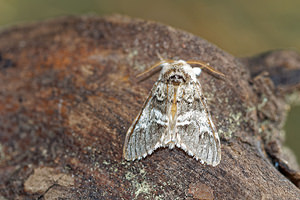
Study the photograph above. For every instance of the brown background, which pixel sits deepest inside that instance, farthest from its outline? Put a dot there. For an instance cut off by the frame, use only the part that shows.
(243, 28)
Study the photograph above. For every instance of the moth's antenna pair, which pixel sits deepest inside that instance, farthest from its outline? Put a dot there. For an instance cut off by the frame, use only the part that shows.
(196, 62)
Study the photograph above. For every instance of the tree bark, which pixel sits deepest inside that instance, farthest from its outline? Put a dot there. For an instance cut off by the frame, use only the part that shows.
(69, 93)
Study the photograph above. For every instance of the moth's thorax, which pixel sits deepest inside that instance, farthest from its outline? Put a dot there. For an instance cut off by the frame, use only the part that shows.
(177, 72)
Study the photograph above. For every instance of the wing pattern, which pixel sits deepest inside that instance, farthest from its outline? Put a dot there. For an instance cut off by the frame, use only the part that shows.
(196, 133)
(144, 135)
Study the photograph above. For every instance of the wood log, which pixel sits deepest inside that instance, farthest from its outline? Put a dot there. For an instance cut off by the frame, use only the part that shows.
(69, 92)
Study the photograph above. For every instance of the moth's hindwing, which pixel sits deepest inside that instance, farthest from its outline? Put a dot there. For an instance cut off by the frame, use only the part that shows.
(144, 135)
(196, 133)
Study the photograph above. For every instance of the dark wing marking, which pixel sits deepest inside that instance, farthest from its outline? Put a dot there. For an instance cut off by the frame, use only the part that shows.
(196, 133)
(145, 133)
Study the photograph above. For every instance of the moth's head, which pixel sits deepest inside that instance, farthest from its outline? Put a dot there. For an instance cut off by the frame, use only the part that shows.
(178, 72)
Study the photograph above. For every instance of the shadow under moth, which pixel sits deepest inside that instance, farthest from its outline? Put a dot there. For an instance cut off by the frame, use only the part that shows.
(175, 114)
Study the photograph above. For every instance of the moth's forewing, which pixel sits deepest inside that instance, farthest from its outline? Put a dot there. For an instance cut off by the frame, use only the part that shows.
(144, 135)
(198, 136)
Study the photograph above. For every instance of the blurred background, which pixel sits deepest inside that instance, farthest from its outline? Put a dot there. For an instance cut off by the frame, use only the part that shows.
(242, 28)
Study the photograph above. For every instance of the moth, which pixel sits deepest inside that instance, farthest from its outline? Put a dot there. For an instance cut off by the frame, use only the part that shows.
(175, 114)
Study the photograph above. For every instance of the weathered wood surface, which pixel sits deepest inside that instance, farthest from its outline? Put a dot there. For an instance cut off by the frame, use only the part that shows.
(69, 92)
